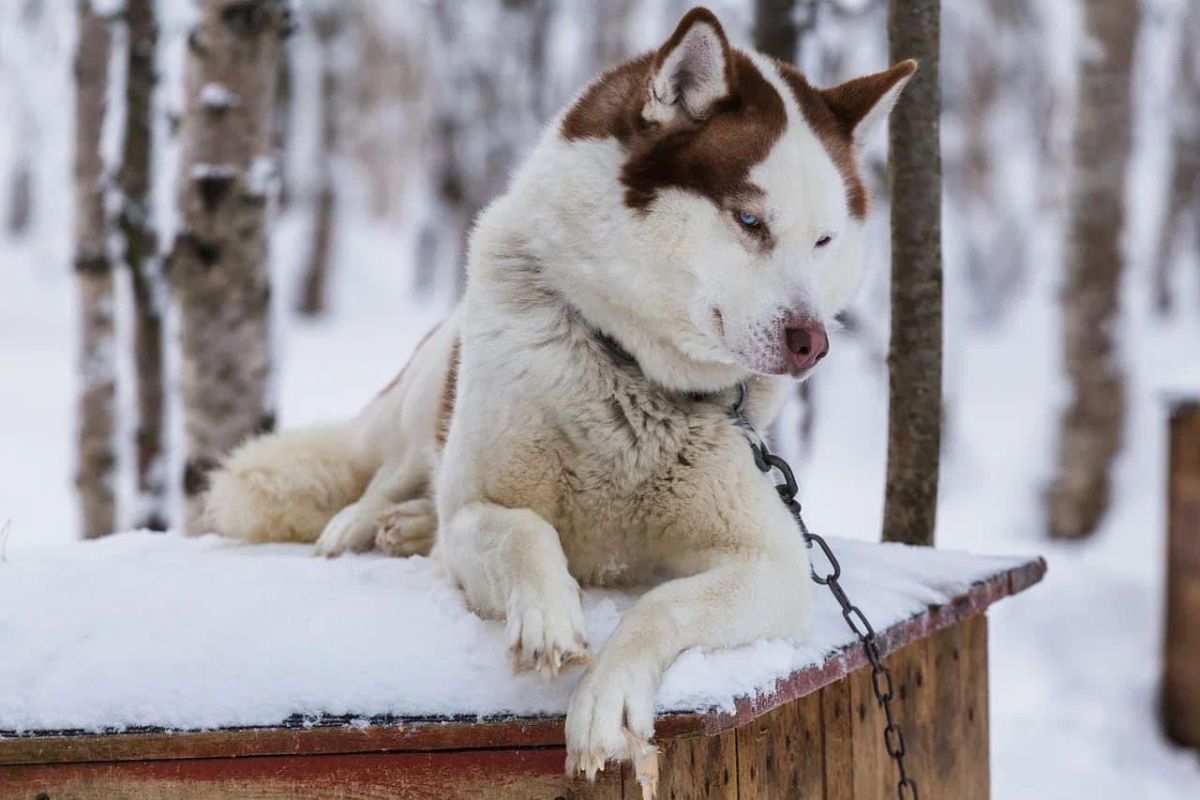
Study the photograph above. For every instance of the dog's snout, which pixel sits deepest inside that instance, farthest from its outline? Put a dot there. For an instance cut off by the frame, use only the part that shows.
(807, 344)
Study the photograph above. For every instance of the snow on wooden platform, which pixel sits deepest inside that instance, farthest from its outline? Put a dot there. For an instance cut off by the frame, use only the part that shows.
(144, 631)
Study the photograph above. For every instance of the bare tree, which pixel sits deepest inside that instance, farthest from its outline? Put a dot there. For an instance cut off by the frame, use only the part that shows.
(491, 106)
(780, 26)
(313, 288)
(915, 354)
(1183, 200)
(775, 29)
(219, 263)
(93, 266)
(992, 89)
(20, 198)
(141, 255)
(1090, 429)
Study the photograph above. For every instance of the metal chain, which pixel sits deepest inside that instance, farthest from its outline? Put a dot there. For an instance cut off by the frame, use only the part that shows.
(881, 676)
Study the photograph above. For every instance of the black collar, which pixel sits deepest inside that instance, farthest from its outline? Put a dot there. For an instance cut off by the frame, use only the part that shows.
(623, 358)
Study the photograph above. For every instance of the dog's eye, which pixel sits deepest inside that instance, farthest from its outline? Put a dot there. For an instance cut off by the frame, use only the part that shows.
(824, 240)
(748, 220)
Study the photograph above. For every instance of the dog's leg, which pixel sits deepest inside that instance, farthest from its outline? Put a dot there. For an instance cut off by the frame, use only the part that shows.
(353, 528)
(511, 564)
(742, 597)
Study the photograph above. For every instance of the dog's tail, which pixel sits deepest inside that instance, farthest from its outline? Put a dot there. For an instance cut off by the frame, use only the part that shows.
(284, 487)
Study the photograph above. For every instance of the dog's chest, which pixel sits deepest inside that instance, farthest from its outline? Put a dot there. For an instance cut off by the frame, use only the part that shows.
(628, 464)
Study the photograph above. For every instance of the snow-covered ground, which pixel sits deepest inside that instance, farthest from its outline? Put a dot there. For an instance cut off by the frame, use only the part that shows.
(1074, 661)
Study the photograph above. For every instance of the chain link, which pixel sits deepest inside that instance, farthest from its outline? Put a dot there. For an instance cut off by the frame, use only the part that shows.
(881, 676)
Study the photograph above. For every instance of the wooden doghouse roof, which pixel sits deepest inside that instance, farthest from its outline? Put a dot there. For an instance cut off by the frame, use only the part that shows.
(112, 647)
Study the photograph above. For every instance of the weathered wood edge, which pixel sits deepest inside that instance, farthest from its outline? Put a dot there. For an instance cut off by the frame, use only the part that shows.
(851, 657)
(305, 736)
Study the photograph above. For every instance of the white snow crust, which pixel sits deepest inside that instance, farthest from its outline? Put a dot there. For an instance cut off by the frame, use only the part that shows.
(158, 630)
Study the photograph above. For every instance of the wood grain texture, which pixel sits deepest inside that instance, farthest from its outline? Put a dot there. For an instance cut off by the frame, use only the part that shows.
(837, 726)
(462, 775)
(782, 754)
(693, 768)
(1181, 676)
(915, 350)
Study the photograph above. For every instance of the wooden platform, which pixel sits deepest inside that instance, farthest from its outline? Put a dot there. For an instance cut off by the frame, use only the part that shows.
(817, 734)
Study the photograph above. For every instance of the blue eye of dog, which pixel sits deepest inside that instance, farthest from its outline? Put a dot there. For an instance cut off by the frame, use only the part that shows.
(748, 220)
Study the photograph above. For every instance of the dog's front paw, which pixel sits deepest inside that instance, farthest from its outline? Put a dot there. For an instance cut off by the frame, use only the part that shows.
(349, 531)
(545, 630)
(407, 529)
(611, 719)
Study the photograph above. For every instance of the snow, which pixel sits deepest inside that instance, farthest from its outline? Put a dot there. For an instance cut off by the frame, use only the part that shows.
(141, 629)
(216, 96)
(205, 171)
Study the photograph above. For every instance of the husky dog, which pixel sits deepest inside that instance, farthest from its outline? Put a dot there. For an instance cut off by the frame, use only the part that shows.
(679, 236)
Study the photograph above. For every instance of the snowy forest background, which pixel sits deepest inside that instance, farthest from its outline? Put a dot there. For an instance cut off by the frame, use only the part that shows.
(398, 119)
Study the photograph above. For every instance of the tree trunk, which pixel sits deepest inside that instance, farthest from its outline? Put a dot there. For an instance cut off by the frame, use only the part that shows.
(1183, 200)
(220, 273)
(281, 132)
(20, 198)
(915, 352)
(1090, 430)
(145, 268)
(93, 266)
(314, 287)
(492, 110)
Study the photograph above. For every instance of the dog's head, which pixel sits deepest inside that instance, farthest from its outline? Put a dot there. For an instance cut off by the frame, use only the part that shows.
(741, 189)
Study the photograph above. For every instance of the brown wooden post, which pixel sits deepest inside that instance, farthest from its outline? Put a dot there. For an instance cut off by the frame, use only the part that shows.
(1181, 673)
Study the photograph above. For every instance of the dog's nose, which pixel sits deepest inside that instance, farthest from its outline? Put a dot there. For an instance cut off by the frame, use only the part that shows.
(807, 344)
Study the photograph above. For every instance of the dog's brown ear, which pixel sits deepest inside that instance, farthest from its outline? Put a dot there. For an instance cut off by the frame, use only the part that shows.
(692, 71)
(861, 104)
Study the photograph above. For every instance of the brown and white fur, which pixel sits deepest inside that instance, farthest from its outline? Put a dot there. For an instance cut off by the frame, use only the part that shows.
(569, 423)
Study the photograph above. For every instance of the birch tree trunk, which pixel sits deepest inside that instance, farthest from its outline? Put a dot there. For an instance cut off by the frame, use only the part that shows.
(314, 287)
(220, 272)
(1090, 430)
(145, 269)
(1183, 200)
(93, 266)
(915, 352)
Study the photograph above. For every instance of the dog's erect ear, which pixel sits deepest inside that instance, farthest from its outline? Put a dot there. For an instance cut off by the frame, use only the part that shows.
(860, 105)
(692, 71)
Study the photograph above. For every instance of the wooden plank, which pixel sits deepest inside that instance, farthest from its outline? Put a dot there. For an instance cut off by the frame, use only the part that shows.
(850, 658)
(874, 777)
(1181, 676)
(693, 768)
(402, 736)
(940, 687)
(839, 741)
(535, 774)
(781, 754)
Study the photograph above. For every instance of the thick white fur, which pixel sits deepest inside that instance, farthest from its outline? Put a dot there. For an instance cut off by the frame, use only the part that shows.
(564, 465)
